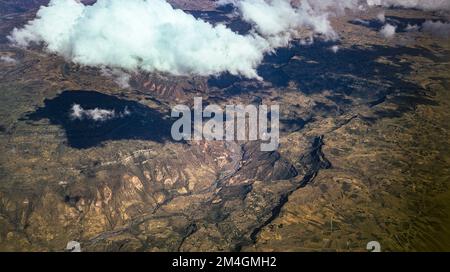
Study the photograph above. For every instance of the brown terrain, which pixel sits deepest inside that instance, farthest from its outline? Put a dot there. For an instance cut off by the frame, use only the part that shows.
(364, 155)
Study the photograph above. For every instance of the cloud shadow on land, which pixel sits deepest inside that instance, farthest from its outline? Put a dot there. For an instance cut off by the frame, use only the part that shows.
(223, 15)
(366, 75)
(401, 23)
(140, 122)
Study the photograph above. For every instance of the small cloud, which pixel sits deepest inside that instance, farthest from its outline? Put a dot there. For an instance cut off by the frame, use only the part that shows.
(334, 48)
(438, 28)
(98, 115)
(307, 41)
(361, 22)
(429, 5)
(121, 78)
(381, 17)
(388, 31)
(8, 60)
(412, 28)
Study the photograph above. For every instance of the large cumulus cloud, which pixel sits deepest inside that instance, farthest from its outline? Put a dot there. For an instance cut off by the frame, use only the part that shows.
(148, 35)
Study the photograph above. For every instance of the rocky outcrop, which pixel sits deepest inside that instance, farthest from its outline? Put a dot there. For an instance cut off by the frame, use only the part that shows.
(201, 196)
(168, 88)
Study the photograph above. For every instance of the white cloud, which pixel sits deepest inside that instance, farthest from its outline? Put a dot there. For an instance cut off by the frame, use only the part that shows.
(8, 60)
(412, 28)
(334, 48)
(388, 31)
(437, 28)
(139, 34)
(121, 78)
(278, 20)
(98, 115)
(381, 17)
(361, 21)
(418, 4)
